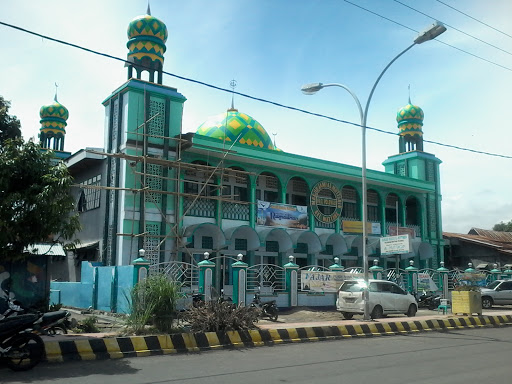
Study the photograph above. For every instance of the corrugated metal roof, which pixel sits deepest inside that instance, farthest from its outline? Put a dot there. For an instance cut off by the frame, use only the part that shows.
(47, 249)
(505, 237)
(501, 246)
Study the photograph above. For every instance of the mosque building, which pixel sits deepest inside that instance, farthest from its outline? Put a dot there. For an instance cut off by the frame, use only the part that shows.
(226, 190)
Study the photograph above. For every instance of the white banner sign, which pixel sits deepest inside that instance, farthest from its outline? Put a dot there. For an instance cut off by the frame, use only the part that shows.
(394, 245)
(320, 281)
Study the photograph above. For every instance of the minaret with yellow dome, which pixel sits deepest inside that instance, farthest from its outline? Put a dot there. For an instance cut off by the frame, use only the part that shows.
(410, 124)
(53, 125)
(143, 117)
(147, 36)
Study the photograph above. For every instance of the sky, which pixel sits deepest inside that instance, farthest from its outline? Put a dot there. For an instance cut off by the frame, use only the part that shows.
(462, 80)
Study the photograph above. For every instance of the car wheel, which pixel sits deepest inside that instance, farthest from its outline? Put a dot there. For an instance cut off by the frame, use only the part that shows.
(411, 312)
(347, 315)
(486, 302)
(377, 312)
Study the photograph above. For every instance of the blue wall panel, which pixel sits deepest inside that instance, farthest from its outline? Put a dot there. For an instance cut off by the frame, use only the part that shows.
(77, 295)
(104, 280)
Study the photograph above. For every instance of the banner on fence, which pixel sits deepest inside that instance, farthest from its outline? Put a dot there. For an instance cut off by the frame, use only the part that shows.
(469, 278)
(322, 281)
(425, 283)
(282, 215)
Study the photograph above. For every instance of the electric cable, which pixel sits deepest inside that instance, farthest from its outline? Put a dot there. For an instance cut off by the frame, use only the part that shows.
(473, 18)
(246, 95)
(452, 27)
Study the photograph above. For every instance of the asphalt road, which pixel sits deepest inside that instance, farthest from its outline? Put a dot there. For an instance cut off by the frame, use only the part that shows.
(461, 356)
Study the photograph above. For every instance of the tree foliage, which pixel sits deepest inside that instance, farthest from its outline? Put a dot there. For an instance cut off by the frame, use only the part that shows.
(503, 227)
(35, 204)
(10, 127)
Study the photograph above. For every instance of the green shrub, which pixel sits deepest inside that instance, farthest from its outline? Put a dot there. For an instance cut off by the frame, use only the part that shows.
(153, 301)
(87, 325)
(467, 287)
(220, 316)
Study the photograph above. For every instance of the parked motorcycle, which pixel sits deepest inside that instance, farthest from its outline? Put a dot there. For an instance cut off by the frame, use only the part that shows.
(267, 309)
(20, 348)
(52, 323)
(429, 300)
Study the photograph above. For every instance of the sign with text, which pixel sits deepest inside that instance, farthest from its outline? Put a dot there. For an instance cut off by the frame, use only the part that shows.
(282, 215)
(357, 227)
(394, 245)
(326, 202)
(323, 281)
(394, 231)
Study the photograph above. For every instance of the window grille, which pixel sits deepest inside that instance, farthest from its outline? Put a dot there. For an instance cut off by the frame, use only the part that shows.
(349, 194)
(302, 248)
(151, 244)
(207, 242)
(153, 183)
(155, 126)
(241, 244)
(300, 186)
(272, 246)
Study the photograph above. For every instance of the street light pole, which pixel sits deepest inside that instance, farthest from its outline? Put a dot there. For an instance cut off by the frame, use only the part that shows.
(309, 89)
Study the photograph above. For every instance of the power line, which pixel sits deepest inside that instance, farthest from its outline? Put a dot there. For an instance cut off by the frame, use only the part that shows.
(439, 41)
(471, 17)
(452, 27)
(246, 95)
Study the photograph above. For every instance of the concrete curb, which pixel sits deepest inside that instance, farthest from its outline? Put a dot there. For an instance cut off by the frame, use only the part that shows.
(117, 347)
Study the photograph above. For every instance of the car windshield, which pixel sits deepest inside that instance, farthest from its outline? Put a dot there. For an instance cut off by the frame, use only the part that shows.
(494, 284)
(352, 286)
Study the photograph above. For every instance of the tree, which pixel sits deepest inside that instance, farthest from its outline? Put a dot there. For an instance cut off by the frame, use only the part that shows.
(503, 227)
(35, 204)
(10, 127)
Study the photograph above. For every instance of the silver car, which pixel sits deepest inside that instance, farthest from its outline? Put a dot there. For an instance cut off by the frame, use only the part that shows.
(496, 293)
(385, 297)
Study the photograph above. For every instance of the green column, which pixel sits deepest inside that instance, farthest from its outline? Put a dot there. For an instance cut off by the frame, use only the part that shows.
(140, 267)
(252, 207)
(291, 271)
(376, 270)
(412, 277)
(239, 281)
(443, 279)
(206, 277)
(495, 273)
(336, 267)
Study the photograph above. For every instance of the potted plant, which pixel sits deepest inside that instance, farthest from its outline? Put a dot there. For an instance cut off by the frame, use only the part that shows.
(467, 299)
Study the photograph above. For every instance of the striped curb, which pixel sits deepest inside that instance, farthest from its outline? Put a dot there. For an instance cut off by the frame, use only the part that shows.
(134, 346)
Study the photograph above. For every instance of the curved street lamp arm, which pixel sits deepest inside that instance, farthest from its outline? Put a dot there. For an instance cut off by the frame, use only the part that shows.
(353, 96)
(365, 115)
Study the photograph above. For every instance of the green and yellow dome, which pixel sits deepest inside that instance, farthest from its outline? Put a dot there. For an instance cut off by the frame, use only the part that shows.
(147, 36)
(410, 120)
(53, 117)
(236, 126)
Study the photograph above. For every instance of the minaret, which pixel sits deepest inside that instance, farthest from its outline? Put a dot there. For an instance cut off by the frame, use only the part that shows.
(143, 118)
(413, 162)
(147, 36)
(410, 123)
(53, 125)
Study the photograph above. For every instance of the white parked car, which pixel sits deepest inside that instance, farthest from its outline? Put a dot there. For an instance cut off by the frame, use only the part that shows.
(385, 297)
(496, 293)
